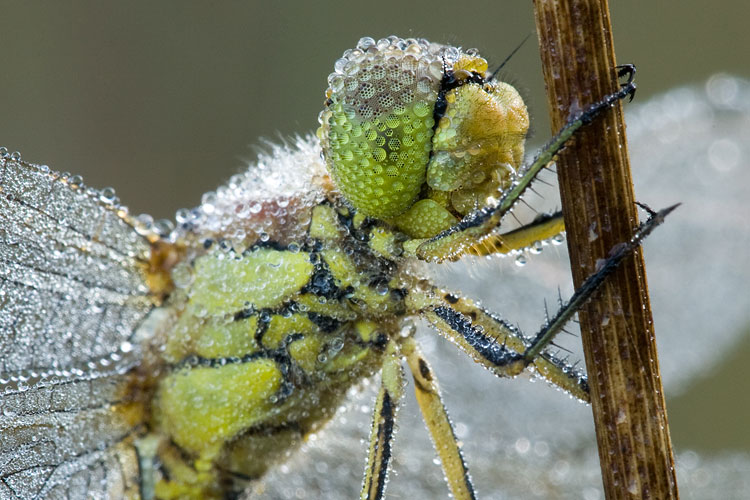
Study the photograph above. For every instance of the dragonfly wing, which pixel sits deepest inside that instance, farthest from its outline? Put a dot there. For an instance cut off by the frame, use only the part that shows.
(73, 294)
(61, 441)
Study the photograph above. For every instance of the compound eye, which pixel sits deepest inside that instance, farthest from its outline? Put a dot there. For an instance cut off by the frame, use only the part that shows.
(389, 158)
(376, 131)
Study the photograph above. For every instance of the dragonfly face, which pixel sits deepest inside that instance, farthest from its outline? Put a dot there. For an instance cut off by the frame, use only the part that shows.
(419, 134)
(184, 365)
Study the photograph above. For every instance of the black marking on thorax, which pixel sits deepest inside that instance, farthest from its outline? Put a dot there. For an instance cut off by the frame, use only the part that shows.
(327, 324)
(322, 283)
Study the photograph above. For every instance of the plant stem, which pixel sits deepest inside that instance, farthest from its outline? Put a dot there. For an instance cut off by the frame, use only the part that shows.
(630, 416)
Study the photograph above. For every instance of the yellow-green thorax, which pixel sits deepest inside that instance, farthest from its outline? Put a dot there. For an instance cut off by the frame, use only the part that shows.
(263, 345)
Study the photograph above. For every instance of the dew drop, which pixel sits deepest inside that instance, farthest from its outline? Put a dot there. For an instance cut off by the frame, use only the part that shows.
(337, 344)
(163, 226)
(182, 215)
(408, 328)
(144, 224)
(182, 276)
(107, 195)
(208, 203)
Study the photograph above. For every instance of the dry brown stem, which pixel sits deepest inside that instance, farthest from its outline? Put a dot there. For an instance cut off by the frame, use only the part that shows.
(635, 450)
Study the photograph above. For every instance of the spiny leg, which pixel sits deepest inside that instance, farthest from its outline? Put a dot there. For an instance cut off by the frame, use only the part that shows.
(454, 242)
(438, 423)
(383, 419)
(592, 283)
(503, 349)
(489, 340)
(542, 228)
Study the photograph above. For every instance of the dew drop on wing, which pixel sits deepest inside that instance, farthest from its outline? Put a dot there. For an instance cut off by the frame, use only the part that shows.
(67, 250)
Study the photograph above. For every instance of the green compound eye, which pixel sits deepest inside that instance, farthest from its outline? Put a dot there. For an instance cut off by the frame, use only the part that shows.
(378, 126)
(384, 149)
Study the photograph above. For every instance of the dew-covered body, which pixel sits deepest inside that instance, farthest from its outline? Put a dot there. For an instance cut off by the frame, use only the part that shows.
(253, 364)
(224, 341)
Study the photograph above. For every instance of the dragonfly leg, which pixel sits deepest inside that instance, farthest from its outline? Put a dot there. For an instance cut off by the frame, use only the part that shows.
(383, 421)
(542, 228)
(438, 423)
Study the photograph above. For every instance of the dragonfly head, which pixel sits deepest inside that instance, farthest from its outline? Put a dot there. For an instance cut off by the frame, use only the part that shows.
(419, 133)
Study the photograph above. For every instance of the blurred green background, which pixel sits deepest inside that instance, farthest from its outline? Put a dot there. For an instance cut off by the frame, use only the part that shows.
(165, 100)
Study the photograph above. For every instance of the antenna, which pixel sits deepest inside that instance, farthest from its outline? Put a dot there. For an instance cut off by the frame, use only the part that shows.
(494, 73)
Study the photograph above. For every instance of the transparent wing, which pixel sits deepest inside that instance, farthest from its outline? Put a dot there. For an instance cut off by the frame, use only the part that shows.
(64, 441)
(72, 297)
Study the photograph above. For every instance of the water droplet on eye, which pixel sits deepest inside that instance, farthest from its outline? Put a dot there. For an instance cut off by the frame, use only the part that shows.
(521, 260)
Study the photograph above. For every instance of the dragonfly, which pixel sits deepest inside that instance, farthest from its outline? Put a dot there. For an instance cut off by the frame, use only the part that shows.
(160, 360)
